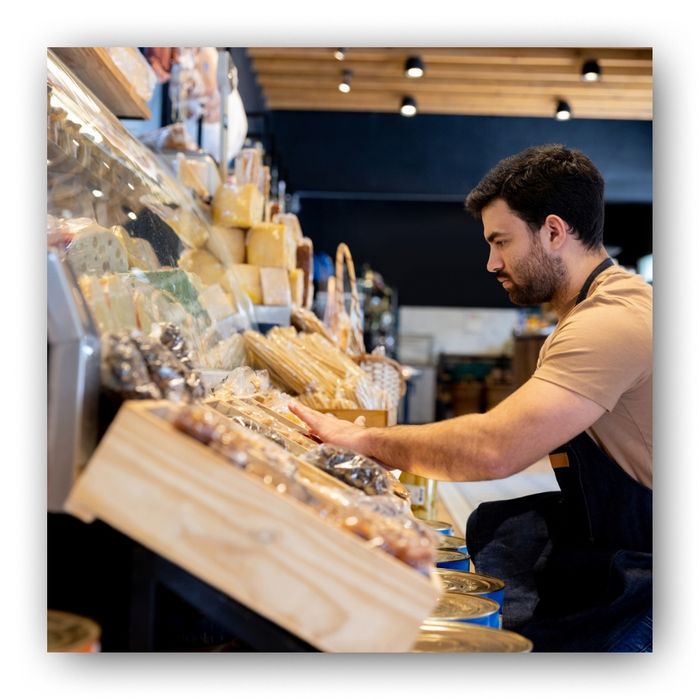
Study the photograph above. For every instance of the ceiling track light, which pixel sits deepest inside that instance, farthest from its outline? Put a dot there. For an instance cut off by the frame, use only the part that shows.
(591, 71)
(563, 110)
(414, 67)
(344, 85)
(339, 54)
(409, 107)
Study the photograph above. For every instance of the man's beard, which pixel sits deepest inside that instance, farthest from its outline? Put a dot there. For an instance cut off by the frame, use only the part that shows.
(540, 276)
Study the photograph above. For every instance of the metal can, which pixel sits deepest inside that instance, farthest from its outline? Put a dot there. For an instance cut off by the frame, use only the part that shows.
(457, 607)
(450, 559)
(457, 544)
(69, 632)
(471, 583)
(439, 526)
(446, 637)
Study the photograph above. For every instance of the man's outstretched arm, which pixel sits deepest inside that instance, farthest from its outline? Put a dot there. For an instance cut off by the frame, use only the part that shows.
(534, 420)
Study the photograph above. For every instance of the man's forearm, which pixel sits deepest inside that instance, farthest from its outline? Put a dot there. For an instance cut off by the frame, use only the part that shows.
(458, 449)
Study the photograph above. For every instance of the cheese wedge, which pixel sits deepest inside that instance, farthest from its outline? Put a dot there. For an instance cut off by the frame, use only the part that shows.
(296, 284)
(275, 286)
(227, 245)
(203, 264)
(237, 207)
(247, 278)
(271, 245)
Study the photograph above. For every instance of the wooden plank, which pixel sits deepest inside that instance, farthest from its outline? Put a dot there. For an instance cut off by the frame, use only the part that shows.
(374, 418)
(276, 556)
(94, 67)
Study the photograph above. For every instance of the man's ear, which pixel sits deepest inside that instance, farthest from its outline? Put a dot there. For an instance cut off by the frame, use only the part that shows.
(556, 231)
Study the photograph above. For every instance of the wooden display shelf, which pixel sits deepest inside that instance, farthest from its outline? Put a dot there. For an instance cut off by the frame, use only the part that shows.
(95, 67)
(374, 418)
(276, 556)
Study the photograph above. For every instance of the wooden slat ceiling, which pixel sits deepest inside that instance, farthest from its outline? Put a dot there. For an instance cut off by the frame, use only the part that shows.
(513, 82)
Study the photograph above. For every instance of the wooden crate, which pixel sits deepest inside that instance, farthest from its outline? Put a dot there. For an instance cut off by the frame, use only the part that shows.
(179, 498)
(375, 418)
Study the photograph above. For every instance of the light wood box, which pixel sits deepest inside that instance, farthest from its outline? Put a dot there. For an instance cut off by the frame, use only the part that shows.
(275, 555)
(375, 418)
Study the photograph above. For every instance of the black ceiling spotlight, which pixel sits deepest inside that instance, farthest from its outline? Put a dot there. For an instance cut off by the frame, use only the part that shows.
(409, 107)
(339, 54)
(344, 85)
(414, 67)
(591, 70)
(563, 110)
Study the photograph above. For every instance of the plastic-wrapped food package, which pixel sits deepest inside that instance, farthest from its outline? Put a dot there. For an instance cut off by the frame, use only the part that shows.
(137, 366)
(136, 69)
(227, 354)
(356, 470)
(245, 381)
(347, 509)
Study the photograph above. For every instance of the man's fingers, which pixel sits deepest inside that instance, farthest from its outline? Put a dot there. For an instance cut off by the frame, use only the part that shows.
(360, 420)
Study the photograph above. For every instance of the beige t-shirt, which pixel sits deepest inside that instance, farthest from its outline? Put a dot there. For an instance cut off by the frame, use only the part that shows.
(602, 349)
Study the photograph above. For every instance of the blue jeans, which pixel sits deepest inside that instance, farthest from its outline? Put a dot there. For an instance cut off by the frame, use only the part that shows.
(638, 637)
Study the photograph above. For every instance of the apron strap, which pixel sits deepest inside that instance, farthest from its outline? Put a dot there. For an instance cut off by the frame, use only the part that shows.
(589, 280)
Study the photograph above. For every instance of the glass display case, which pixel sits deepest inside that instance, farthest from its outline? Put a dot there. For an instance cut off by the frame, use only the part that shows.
(133, 252)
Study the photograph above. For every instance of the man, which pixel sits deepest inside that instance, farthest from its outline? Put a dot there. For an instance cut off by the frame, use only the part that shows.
(577, 563)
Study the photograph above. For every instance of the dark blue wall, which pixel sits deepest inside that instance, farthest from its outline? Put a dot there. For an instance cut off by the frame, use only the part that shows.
(393, 189)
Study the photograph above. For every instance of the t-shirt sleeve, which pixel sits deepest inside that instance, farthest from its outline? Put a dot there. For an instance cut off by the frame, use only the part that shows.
(600, 352)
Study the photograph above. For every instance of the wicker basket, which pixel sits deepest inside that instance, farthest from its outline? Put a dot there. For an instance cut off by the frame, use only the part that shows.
(386, 374)
(347, 328)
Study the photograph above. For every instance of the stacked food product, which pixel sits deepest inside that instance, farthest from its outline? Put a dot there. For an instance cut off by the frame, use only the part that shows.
(308, 365)
(384, 522)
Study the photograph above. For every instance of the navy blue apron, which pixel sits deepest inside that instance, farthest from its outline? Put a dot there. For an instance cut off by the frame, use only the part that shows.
(577, 563)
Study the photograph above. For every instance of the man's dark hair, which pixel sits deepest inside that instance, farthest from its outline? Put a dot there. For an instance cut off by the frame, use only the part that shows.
(543, 180)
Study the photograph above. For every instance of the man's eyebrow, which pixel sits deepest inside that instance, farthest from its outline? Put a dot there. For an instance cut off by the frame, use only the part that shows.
(490, 238)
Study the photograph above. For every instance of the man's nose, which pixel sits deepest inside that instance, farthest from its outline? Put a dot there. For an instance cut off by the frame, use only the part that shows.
(494, 263)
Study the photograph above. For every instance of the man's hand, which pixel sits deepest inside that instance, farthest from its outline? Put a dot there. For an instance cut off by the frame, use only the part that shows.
(331, 429)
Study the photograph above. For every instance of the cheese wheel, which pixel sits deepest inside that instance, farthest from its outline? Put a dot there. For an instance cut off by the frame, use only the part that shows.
(227, 244)
(271, 245)
(275, 286)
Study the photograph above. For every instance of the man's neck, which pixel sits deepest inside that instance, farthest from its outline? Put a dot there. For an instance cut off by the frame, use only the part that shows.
(579, 270)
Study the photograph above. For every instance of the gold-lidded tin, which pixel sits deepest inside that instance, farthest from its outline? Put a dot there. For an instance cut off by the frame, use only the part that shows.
(451, 559)
(439, 526)
(451, 637)
(72, 633)
(472, 583)
(457, 607)
(458, 544)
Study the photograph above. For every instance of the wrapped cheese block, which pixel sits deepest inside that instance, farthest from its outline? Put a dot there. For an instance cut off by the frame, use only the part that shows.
(97, 301)
(248, 167)
(237, 206)
(248, 278)
(203, 264)
(95, 249)
(227, 244)
(271, 245)
(296, 284)
(274, 282)
(139, 251)
(292, 221)
(305, 261)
